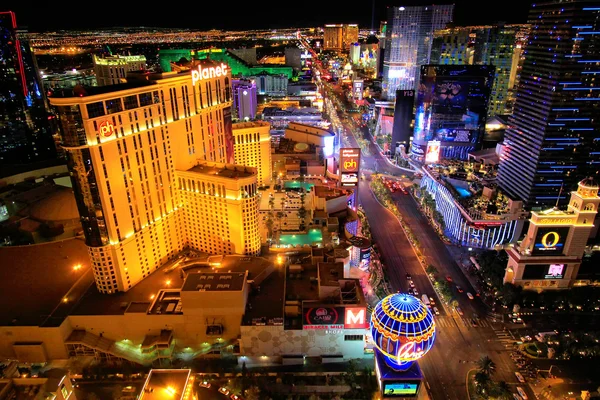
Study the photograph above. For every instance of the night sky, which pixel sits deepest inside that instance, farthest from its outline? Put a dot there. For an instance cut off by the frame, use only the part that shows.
(209, 14)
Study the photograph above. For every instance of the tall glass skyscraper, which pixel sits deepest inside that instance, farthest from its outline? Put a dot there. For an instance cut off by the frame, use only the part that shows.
(408, 39)
(25, 134)
(553, 141)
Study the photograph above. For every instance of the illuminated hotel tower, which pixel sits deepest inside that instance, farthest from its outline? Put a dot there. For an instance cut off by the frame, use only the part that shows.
(150, 166)
(409, 35)
(553, 140)
(252, 147)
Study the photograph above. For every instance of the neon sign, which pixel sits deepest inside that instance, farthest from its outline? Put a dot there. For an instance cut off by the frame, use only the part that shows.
(355, 318)
(409, 352)
(106, 129)
(207, 73)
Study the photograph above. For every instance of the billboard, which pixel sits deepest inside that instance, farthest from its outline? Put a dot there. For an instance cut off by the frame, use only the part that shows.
(328, 317)
(432, 155)
(400, 388)
(451, 103)
(544, 271)
(349, 166)
(550, 241)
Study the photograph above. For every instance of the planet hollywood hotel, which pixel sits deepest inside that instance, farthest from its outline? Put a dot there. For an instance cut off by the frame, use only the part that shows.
(151, 164)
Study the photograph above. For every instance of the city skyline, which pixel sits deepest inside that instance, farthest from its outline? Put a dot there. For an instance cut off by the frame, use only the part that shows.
(46, 18)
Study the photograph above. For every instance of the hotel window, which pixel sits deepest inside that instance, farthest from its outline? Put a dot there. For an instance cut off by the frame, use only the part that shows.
(95, 110)
(131, 102)
(114, 106)
(145, 99)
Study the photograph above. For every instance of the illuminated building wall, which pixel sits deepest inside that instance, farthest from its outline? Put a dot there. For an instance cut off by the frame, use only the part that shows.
(349, 35)
(409, 34)
(111, 70)
(552, 142)
(272, 85)
(462, 228)
(550, 255)
(220, 203)
(25, 131)
(333, 37)
(481, 45)
(244, 98)
(252, 147)
(451, 107)
(124, 149)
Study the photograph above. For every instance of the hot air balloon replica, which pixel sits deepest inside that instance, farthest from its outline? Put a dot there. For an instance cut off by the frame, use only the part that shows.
(403, 331)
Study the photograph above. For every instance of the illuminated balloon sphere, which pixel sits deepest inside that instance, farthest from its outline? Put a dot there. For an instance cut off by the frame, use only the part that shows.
(403, 329)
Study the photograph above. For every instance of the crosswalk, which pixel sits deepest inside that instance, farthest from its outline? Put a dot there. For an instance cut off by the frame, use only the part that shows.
(505, 338)
(448, 321)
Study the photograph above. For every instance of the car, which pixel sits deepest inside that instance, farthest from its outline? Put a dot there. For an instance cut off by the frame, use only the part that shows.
(474, 321)
(460, 290)
(449, 278)
(205, 384)
(522, 393)
(235, 397)
(416, 293)
(436, 311)
(520, 377)
(412, 284)
(459, 311)
(470, 296)
(224, 390)
(516, 396)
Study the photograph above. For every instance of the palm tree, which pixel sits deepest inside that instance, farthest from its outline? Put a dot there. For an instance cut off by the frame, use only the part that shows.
(486, 365)
(482, 380)
(502, 391)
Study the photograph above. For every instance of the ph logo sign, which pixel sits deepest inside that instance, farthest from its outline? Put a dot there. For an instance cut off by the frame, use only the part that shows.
(350, 165)
(355, 318)
(106, 129)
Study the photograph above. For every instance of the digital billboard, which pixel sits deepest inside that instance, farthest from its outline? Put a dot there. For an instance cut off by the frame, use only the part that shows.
(349, 166)
(550, 241)
(432, 155)
(451, 104)
(544, 271)
(400, 389)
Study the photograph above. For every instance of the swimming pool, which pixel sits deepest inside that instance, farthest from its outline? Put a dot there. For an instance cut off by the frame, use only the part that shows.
(314, 236)
(298, 185)
(463, 192)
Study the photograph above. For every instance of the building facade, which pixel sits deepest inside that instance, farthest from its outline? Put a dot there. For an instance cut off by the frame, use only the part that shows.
(349, 35)
(468, 227)
(125, 150)
(25, 130)
(244, 98)
(333, 37)
(409, 35)
(111, 70)
(451, 108)
(550, 255)
(252, 147)
(552, 140)
(483, 45)
(271, 85)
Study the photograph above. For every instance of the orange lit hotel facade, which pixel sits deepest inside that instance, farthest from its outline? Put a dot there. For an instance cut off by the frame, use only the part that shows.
(151, 165)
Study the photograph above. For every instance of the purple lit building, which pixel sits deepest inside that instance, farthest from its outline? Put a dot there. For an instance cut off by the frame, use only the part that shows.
(244, 98)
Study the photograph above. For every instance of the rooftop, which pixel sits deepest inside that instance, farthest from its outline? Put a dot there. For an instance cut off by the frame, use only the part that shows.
(36, 279)
(250, 124)
(302, 285)
(330, 273)
(214, 281)
(224, 170)
(265, 302)
(166, 384)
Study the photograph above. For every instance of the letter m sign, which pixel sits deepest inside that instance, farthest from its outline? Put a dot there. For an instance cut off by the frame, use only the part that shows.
(355, 318)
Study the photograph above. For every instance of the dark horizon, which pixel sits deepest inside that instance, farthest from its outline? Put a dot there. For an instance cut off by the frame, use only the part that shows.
(72, 17)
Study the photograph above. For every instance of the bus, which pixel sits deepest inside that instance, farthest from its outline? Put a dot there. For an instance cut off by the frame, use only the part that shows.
(425, 300)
